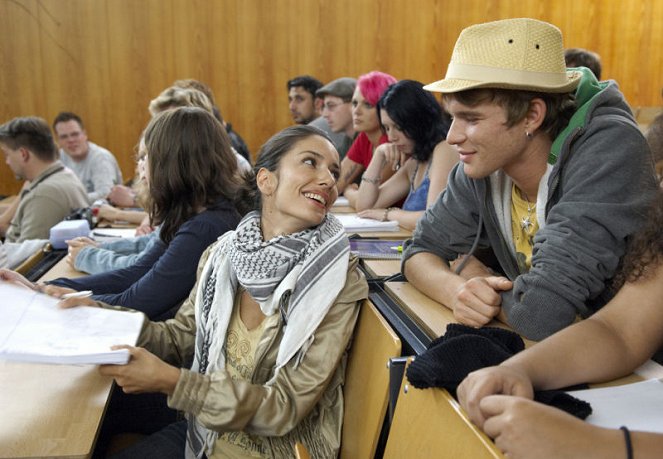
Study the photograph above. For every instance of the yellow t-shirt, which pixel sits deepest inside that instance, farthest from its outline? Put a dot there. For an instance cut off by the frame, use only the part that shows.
(240, 349)
(524, 226)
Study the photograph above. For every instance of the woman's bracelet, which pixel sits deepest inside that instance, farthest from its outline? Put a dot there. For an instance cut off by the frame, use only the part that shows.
(385, 217)
(374, 181)
(627, 440)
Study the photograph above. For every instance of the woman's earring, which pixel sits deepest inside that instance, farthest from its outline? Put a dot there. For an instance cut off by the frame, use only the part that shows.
(528, 134)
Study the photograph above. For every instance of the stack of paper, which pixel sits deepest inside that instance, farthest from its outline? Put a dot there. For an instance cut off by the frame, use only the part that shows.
(341, 201)
(35, 329)
(355, 224)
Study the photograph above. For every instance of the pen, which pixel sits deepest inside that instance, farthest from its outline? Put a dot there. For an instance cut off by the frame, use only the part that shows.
(81, 294)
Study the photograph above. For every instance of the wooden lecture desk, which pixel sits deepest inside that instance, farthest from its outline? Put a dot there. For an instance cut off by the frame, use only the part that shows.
(382, 268)
(462, 439)
(51, 410)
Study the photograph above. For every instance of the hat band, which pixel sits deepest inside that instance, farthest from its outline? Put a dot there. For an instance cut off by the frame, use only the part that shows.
(487, 74)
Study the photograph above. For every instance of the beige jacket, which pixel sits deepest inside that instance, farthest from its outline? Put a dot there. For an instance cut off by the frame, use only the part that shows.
(304, 404)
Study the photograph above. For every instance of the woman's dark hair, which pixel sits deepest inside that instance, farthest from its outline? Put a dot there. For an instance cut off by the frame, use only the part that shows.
(191, 166)
(644, 252)
(418, 114)
(269, 157)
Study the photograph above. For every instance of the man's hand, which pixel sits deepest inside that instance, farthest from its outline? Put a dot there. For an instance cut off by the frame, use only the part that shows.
(478, 300)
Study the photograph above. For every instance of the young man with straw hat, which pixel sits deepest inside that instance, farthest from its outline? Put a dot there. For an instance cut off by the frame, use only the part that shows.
(554, 175)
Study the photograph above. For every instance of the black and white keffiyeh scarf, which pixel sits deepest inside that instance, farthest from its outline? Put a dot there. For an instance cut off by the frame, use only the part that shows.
(297, 275)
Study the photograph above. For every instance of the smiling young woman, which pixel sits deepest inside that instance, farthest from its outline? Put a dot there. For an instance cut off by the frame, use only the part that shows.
(267, 324)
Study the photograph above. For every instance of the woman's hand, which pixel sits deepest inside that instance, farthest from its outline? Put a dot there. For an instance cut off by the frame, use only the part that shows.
(122, 196)
(107, 212)
(8, 275)
(490, 381)
(74, 302)
(375, 214)
(393, 156)
(523, 428)
(145, 372)
(76, 245)
(145, 227)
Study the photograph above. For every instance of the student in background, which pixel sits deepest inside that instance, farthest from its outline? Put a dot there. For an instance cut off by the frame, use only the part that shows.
(578, 57)
(94, 257)
(610, 344)
(304, 106)
(337, 110)
(176, 96)
(267, 324)
(192, 178)
(416, 127)
(235, 139)
(95, 166)
(51, 191)
(366, 123)
(555, 177)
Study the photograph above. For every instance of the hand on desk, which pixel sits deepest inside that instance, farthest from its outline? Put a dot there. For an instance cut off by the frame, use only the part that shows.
(523, 428)
(145, 372)
(491, 381)
(122, 196)
(477, 301)
(52, 290)
(75, 246)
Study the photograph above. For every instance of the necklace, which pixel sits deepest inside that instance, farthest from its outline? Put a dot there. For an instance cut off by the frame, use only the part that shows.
(526, 222)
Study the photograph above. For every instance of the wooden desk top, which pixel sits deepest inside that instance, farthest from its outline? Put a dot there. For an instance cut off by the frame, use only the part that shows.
(61, 269)
(382, 268)
(51, 410)
(430, 315)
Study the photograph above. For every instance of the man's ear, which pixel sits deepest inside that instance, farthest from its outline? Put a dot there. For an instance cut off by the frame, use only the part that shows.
(266, 181)
(536, 113)
(318, 101)
(25, 153)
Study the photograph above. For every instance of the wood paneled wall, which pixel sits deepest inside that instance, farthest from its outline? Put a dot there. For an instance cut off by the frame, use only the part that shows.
(106, 59)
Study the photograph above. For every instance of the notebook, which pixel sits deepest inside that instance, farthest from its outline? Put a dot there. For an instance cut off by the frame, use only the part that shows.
(34, 329)
(354, 224)
(376, 249)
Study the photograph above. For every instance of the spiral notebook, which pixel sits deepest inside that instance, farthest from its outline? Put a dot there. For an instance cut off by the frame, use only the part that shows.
(376, 249)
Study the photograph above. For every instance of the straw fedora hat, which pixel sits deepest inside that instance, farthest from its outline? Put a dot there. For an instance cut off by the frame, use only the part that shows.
(523, 54)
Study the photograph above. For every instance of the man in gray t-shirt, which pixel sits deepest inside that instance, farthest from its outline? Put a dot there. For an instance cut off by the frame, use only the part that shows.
(95, 166)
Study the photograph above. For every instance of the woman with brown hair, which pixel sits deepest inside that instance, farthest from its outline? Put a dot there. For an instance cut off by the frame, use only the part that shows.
(191, 172)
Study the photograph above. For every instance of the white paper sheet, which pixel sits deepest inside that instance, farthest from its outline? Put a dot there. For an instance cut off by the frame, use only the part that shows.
(35, 329)
(638, 406)
(355, 224)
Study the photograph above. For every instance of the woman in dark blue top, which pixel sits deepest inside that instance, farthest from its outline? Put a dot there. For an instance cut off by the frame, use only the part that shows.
(192, 176)
(416, 127)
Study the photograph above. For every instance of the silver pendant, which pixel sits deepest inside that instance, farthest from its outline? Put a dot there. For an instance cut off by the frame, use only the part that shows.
(525, 223)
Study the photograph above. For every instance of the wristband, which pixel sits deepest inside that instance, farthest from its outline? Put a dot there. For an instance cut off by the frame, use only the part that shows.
(385, 217)
(627, 440)
(375, 181)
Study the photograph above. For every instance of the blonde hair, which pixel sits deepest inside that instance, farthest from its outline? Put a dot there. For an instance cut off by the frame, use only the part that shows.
(174, 97)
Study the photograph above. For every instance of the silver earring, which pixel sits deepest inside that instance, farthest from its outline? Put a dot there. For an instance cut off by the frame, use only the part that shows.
(528, 134)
